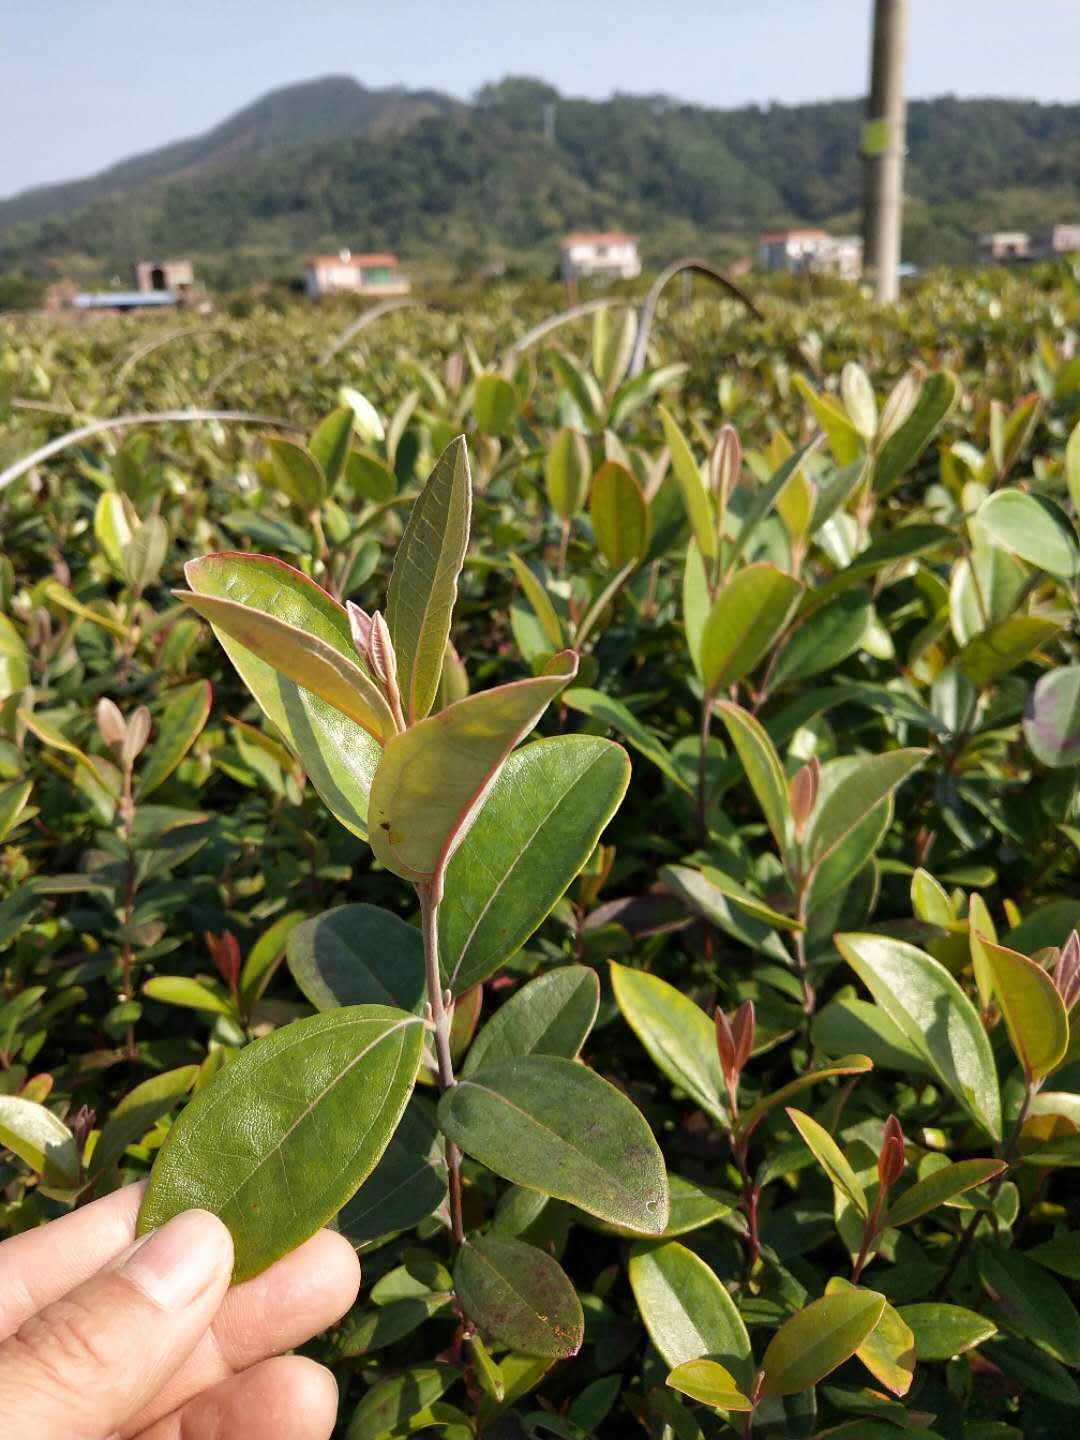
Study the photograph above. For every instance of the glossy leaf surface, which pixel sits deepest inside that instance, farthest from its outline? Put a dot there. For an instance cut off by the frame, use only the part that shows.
(358, 955)
(433, 778)
(677, 1034)
(520, 1296)
(814, 1342)
(551, 1015)
(535, 830)
(252, 1145)
(423, 586)
(687, 1311)
(555, 1126)
(338, 755)
(935, 1017)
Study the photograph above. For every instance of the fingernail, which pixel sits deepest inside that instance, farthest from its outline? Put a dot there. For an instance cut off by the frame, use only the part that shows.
(175, 1264)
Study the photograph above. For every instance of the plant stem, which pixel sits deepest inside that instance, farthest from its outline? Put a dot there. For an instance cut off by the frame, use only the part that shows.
(564, 545)
(870, 1234)
(799, 937)
(702, 767)
(429, 897)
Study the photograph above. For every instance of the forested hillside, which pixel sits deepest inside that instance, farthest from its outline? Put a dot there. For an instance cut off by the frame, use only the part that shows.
(458, 186)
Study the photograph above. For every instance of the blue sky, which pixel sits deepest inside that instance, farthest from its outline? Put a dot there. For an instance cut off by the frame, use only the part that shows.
(87, 82)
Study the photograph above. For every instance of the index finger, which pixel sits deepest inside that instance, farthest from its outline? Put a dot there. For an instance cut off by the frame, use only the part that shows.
(41, 1265)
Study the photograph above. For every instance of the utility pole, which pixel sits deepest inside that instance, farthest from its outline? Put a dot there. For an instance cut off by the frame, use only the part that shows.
(883, 149)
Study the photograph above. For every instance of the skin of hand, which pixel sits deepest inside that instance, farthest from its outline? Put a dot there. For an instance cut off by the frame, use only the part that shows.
(105, 1337)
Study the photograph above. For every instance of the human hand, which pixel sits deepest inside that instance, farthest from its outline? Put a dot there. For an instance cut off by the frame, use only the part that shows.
(103, 1336)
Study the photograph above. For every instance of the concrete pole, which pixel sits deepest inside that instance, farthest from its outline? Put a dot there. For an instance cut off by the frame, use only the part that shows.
(883, 149)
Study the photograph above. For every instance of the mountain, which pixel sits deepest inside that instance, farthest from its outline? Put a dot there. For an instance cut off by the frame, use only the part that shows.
(314, 110)
(452, 187)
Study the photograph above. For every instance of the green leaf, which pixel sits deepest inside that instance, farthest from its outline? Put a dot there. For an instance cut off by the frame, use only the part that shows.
(869, 781)
(191, 994)
(1031, 1302)
(747, 617)
(330, 441)
(390, 1404)
(687, 1311)
(295, 472)
(358, 955)
(519, 1296)
(620, 515)
(338, 755)
(944, 1331)
(314, 664)
(764, 499)
(138, 1112)
(1072, 466)
(613, 713)
(554, 1126)
(935, 1016)
(252, 1146)
(999, 650)
(494, 404)
(937, 399)
(1034, 528)
(114, 525)
(814, 1342)
(567, 472)
(762, 766)
(1052, 718)
(551, 1015)
(825, 639)
(831, 1159)
(938, 1188)
(987, 585)
(41, 1139)
(423, 586)
(678, 1035)
(1035, 1370)
(434, 777)
(846, 1065)
(540, 601)
(536, 829)
(695, 496)
(844, 439)
(888, 1352)
(848, 1026)
(709, 1383)
(696, 601)
(859, 400)
(178, 728)
(407, 1185)
(144, 554)
(695, 885)
(385, 1324)
(369, 476)
(1034, 1012)
(13, 800)
(264, 958)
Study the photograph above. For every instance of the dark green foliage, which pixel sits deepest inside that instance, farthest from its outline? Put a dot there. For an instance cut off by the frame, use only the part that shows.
(817, 966)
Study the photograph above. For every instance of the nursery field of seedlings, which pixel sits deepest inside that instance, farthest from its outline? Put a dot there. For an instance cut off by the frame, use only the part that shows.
(593, 816)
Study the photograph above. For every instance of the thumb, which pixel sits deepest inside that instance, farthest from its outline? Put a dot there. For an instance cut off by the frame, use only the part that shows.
(80, 1368)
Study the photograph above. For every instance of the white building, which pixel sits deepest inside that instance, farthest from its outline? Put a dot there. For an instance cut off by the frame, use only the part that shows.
(375, 275)
(607, 254)
(1004, 245)
(1058, 240)
(801, 250)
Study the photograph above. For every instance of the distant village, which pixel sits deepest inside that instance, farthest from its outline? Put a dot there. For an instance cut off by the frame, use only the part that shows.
(587, 255)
